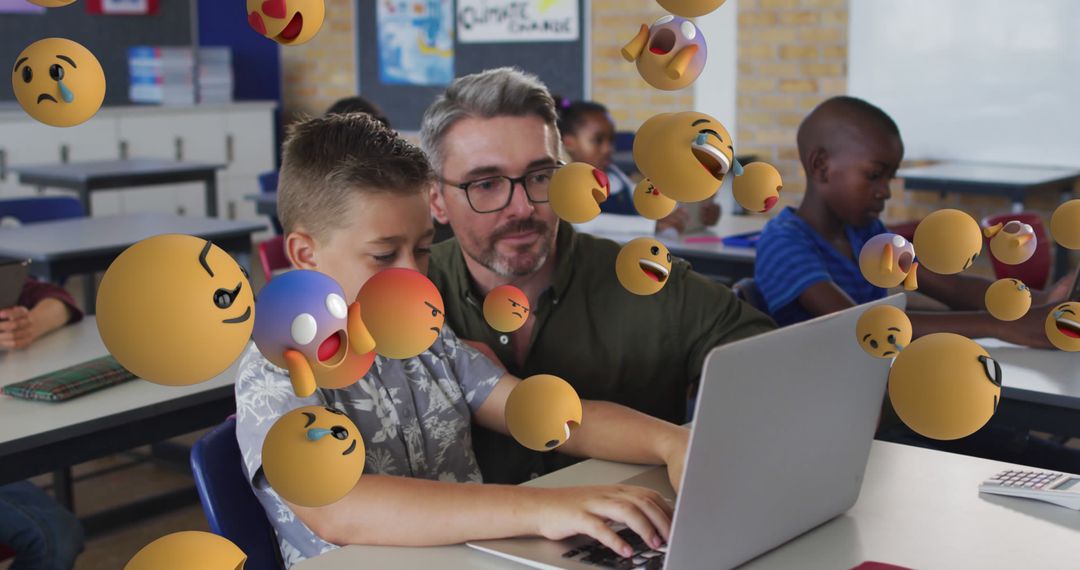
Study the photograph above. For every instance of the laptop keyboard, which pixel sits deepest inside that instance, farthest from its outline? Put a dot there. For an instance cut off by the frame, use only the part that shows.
(599, 555)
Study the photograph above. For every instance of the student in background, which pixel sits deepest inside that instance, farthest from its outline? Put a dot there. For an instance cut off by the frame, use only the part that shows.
(358, 104)
(588, 135)
(44, 535)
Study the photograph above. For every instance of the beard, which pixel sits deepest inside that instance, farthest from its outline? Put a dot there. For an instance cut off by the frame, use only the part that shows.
(525, 260)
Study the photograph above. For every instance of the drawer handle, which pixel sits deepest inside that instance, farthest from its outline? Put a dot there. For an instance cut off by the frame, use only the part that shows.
(122, 149)
(230, 148)
(65, 154)
(3, 164)
(179, 144)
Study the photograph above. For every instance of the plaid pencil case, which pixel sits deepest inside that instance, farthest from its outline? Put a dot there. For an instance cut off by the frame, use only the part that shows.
(71, 382)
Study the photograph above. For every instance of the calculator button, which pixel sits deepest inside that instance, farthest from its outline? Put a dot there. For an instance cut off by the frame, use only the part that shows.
(1029, 485)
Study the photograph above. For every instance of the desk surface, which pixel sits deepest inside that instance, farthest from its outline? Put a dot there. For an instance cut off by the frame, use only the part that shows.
(25, 424)
(1050, 377)
(685, 246)
(918, 508)
(49, 241)
(989, 174)
(84, 172)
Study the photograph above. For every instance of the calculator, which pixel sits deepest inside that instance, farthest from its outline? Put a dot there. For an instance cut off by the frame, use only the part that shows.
(1060, 489)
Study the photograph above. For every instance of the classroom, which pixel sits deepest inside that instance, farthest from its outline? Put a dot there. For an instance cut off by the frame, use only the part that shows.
(788, 284)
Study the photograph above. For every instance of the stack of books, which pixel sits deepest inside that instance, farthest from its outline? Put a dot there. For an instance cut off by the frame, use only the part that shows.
(179, 76)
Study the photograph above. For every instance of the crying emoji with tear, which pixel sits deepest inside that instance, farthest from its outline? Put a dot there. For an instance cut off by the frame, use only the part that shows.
(58, 82)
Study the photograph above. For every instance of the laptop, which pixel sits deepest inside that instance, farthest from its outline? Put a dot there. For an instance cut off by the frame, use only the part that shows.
(13, 274)
(783, 428)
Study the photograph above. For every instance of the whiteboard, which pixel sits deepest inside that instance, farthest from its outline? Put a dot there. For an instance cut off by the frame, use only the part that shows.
(980, 80)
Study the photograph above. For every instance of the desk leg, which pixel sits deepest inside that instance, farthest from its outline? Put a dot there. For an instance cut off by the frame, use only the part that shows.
(211, 195)
(90, 293)
(63, 488)
(84, 195)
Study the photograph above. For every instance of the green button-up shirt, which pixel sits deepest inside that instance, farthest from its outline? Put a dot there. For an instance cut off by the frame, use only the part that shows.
(641, 352)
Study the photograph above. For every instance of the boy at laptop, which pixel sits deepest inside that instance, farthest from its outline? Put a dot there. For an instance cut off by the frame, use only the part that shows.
(807, 259)
(353, 199)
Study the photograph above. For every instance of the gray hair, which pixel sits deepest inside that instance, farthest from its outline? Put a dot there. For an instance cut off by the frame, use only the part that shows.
(505, 91)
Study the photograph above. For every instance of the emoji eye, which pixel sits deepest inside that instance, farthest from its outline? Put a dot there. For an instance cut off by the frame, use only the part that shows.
(303, 329)
(898, 241)
(336, 305)
(669, 258)
(27, 74)
(689, 31)
(56, 72)
(873, 343)
(339, 432)
(434, 312)
(1029, 229)
(223, 298)
(891, 339)
(663, 20)
(655, 250)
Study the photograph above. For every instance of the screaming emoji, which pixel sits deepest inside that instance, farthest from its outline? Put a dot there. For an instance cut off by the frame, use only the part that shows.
(686, 154)
(650, 203)
(883, 331)
(188, 549)
(758, 188)
(287, 22)
(542, 412)
(1012, 243)
(670, 55)
(576, 192)
(948, 241)
(886, 260)
(506, 308)
(303, 324)
(313, 456)
(58, 82)
(1007, 299)
(1063, 326)
(403, 311)
(643, 266)
(175, 309)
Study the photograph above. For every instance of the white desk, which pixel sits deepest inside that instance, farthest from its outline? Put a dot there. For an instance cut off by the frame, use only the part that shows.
(918, 508)
(1050, 377)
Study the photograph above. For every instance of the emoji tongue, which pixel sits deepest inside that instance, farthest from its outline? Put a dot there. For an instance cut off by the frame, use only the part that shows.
(65, 93)
(329, 347)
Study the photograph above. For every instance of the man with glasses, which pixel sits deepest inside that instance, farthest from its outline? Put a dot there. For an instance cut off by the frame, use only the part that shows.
(493, 141)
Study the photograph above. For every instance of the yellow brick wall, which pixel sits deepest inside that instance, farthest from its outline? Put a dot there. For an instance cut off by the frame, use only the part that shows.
(323, 70)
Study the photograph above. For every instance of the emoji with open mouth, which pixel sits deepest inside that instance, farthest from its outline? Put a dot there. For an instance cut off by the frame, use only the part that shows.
(1007, 299)
(1063, 326)
(758, 188)
(948, 241)
(58, 82)
(883, 331)
(313, 456)
(175, 309)
(506, 308)
(690, 8)
(670, 54)
(886, 260)
(1065, 224)
(643, 266)
(542, 412)
(944, 386)
(403, 311)
(304, 325)
(189, 549)
(577, 190)
(287, 22)
(685, 154)
(650, 203)
(1012, 243)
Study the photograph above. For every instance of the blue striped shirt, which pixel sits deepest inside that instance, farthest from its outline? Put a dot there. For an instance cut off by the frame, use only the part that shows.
(792, 256)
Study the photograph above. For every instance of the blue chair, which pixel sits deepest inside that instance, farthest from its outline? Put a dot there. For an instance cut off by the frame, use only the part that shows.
(228, 501)
(746, 290)
(41, 209)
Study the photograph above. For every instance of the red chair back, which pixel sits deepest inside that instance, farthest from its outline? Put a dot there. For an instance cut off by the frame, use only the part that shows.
(272, 256)
(6, 552)
(1034, 272)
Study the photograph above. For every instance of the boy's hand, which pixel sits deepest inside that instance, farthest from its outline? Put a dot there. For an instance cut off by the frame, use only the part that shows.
(1028, 330)
(16, 328)
(710, 213)
(1056, 294)
(676, 220)
(562, 513)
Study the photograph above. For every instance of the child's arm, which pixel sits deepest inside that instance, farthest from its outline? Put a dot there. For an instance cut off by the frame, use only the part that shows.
(398, 511)
(607, 431)
(967, 292)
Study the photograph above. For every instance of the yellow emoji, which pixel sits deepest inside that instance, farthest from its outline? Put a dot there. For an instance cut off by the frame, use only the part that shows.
(403, 312)
(51, 3)
(948, 241)
(58, 82)
(313, 456)
(886, 260)
(186, 550)
(542, 412)
(1008, 299)
(757, 189)
(670, 54)
(944, 386)
(577, 190)
(643, 266)
(883, 331)
(690, 8)
(506, 308)
(1063, 326)
(650, 203)
(1065, 224)
(175, 309)
(287, 22)
(685, 154)
(1012, 243)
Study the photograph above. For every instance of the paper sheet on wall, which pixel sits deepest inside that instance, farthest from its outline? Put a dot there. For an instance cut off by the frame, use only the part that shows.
(416, 44)
(500, 21)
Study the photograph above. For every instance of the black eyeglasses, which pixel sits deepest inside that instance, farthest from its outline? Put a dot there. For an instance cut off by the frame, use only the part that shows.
(494, 193)
(992, 369)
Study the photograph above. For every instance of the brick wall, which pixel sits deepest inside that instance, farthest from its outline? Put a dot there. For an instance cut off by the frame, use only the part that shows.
(323, 70)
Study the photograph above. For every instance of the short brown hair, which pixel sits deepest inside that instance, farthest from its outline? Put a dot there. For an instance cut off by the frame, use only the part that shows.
(328, 158)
